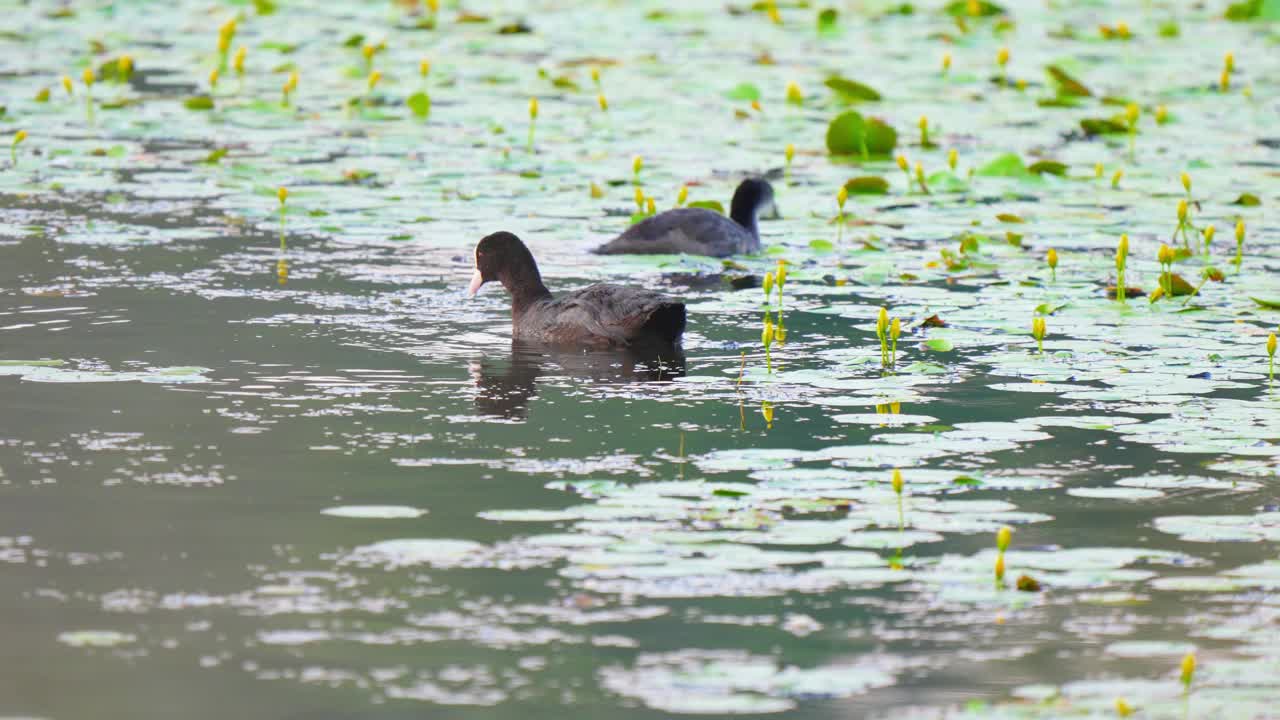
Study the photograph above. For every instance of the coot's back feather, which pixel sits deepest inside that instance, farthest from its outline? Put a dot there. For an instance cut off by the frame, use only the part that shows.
(695, 231)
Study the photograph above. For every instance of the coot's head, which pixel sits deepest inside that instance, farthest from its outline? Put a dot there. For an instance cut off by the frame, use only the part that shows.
(753, 199)
(504, 258)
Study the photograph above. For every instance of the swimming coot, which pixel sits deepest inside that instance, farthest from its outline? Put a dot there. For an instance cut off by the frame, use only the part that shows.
(698, 231)
(599, 316)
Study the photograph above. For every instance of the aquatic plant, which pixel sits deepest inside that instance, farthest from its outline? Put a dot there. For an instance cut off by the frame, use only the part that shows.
(1165, 255)
(924, 188)
(374, 78)
(533, 119)
(1003, 536)
(905, 167)
(1239, 244)
(88, 78)
(842, 196)
(639, 197)
(124, 68)
(1002, 60)
(18, 138)
(1037, 332)
(1271, 357)
(1123, 709)
(637, 163)
(1187, 671)
(1115, 179)
(1131, 114)
(237, 63)
(1228, 66)
(289, 87)
(953, 158)
(766, 337)
(282, 194)
(1051, 258)
(882, 334)
(925, 142)
(790, 154)
(946, 64)
(226, 33)
(767, 285)
(682, 195)
(766, 410)
(1207, 236)
(794, 96)
(895, 329)
(68, 85)
(1183, 224)
(1122, 257)
(1162, 114)
(780, 277)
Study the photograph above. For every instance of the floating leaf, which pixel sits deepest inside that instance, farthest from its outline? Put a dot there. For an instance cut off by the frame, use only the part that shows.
(745, 92)
(1010, 218)
(708, 205)
(1007, 165)
(264, 7)
(1247, 200)
(1254, 10)
(215, 157)
(827, 21)
(867, 185)
(939, 345)
(970, 8)
(1067, 85)
(1271, 303)
(1050, 167)
(1103, 126)
(199, 102)
(420, 104)
(851, 134)
(851, 91)
(820, 245)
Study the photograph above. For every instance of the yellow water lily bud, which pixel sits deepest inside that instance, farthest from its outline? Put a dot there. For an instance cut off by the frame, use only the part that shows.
(902, 163)
(213, 78)
(1271, 344)
(920, 174)
(1229, 62)
(1098, 170)
(237, 62)
(1002, 57)
(1188, 669)
(790, 152)
(1052, 258)
(597, 192)
(603, 101)
(682, 195)
(595, 75)
(124, 66)
(1000, 567)
(424, 67)
(842, 196)
(282, 194)
(1208, 233)
(1132, 112)
(533, 108)
(781, 273)
(649, 206)
(946, 62)
(68, 85)
(434, 6)
(224, 43)
(19, 137)
(639, 195)
(368, 51)
(766, 335)
(923, 123)
(1115, 179)
(1186, 182)
(88, 77)
(895, 328)
(1162, 114)
(1240, 232)
(1122, 251)
(1156, 294)
(1182, 211)
(793, 94)
(292, 82)
(1003, 536)
(1037, 328)
(766, 409)
(882, 322)
(768, 284)
(1224, 81)
(637, 163)
(1123, 709)
(897, 481)
(374, 77)
(952, 158)
(1165, 254)
(1122, 29)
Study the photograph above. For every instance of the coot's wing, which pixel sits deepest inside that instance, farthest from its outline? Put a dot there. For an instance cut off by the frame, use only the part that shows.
(606, 316)
(695, 231)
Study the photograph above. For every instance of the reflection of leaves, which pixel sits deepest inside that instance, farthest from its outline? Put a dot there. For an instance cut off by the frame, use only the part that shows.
(867, 185)
(851, 91)
(851, 134)
(744, 91)
(419, 103)
(1067, 85)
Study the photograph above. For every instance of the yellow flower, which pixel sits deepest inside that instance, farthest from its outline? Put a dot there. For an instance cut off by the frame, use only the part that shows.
(794, 95)
(650, 206)
(1122, 252)
(1182, 211)
(1115, 179)
(902, 163)
(897, 481)
(768, 284)
(1188, 669)
(946, 62)
(1000, 566)
(1186, 182)
(1240, 232)
(766, 335)
(213, 78)
(595, 75)
(1098, 169)
(842, 196)
(639, 195)
(68, 85)
(1003, 536)
(1037, 328)
(1123, 709)
(368, 51)
(282, 194)
(533, 108)
(18, 137)
(88, 77)
(1229, 62)
(424, 67)
(781, 273)
(790, 152)
(124, 66)
(895, 329)
(682, 195)
(1131, 113)
(1164, 254)
(292, 83)
(923, 123)
(1002, 57)
(1052, 258)
(604, 102)
(237, 62)
(1271, 344)
(637, 162)
(882, 322)
(766, 409)
(952, 158)
(374, 77)
(1209, 232)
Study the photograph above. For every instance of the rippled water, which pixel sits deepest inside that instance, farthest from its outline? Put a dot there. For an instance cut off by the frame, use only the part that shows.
(241, 479)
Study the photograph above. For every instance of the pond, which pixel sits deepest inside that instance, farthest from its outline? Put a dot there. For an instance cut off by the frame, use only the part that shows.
(262, 457)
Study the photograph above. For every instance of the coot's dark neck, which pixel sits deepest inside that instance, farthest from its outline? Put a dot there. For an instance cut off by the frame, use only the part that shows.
(743, 211)
(524, 282)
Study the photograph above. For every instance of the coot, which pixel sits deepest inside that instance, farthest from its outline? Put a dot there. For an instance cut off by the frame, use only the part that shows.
(599, 316)
(698, 231)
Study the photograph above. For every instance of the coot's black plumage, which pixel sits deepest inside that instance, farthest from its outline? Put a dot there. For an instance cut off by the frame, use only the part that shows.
(599, 316)
(698, 231)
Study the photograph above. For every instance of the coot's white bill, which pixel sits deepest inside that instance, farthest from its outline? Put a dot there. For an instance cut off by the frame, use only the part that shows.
(476, 281)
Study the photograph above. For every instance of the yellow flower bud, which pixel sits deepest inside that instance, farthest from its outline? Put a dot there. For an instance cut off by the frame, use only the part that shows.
(895, 328)
(842, 196)
(790, 152)
(1188, 669)
(1115, 179)
(682, 195)
(1123, 709)
(237, 63)
(766, 409)
(650, 206)
(604, 102)
(1162, 114)
(292, 83)
(920, 173)
(1122, 29)
(595, 75)
(1098, 170)
(1240, 232)
(1229, 62)
(368, 51)
(1037, 328)
(1052, 258)
(1164, 254)
(781, 272)
(1271, 344)
(902, 163)
(768, 284)
(1186, 181)
(424, 67)
(1131, 113)
(637, 163)
(639, 195)
(88, 77)
(374, 77)
(1000, 567)
(946, 62)
(124, 66)
(1122, 251)
(1208, 233)
(1003, 536)
(282, 194)
(766, 336)
(1182, 211)
(755, 105)
(794, 95)
(68, 85)
(882, 322)
(19, 137)
(533, 108)
(1002, 57)
(213, 78)
(1224, 81)
(897, 481)
(952, 158)
(923, 123)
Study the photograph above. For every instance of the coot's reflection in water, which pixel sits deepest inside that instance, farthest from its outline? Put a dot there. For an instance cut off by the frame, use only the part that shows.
(504, 387)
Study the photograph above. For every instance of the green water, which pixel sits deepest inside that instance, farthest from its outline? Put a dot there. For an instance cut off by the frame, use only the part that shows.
(338, 491)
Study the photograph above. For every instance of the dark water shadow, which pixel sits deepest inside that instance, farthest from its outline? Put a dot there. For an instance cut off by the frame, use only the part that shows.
(505, 386)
